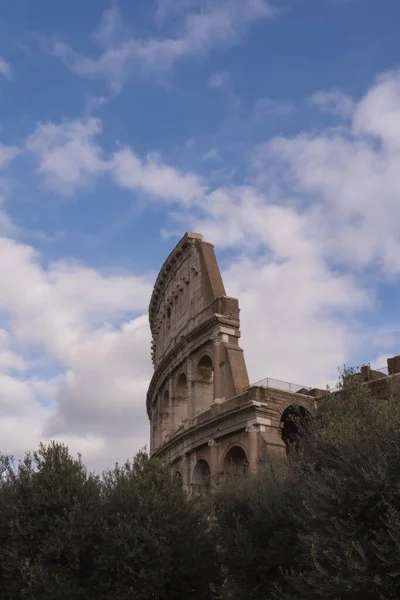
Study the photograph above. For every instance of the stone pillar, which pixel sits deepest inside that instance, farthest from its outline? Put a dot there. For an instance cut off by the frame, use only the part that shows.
(171, 402)
(217, 368)
(252, 433)
(186, 473)
(157, 420)
(214, 462)
(190, 388)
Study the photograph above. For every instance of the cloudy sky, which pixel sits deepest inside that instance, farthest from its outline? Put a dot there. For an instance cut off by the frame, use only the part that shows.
(271, 126)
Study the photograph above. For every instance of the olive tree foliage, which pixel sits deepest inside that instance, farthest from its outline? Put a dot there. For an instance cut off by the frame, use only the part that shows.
(48, 511)
(255, 529)
(65, 533)
(349, 528)
(325, 525)
(154, 542)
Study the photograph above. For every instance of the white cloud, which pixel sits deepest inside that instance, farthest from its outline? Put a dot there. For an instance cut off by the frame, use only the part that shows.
(5, 68)
(154, 177)
(378, 113)
(296, 314)
(202, 28)
(218, 79)
(93, 103)
(67, 155)
(72, 365)
(296, 318)
(211, 154)
(110, 27)
(7, 153)
(267, 107)
(70, 157)
(349, 183)
(320, 209)
(333, 102)
(101, 371)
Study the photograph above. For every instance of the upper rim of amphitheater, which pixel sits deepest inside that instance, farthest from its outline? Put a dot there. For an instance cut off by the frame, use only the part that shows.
(165, 269)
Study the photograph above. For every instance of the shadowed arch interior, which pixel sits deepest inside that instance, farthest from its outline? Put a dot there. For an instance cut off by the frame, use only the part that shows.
(201, 477)
(235, 461)
(292, 420)
(204, 384)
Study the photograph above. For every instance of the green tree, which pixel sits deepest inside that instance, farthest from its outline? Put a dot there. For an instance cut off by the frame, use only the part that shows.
(155, 543)
(68, 534)
(48, 508)
(325, 524)
(256, 529)
(350, 526)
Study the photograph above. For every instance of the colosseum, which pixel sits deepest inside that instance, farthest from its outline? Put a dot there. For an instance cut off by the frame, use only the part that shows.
(205, 417)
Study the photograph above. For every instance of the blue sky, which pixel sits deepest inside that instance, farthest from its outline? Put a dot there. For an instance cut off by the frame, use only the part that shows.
(271, 127)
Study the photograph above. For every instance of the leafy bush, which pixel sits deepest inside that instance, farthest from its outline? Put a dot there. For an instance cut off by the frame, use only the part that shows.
(68, 534)
(325, 525)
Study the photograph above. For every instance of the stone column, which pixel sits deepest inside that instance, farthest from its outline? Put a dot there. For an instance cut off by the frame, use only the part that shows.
(190, 388)
(252, 433)
(217, 393)
(157, 420)
(186, 473)
(214, 462)
(171, 407)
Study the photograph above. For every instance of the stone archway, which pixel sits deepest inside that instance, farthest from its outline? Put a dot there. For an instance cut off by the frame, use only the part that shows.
(165, 428)
(293, 418)
(180, 401)
(235, 461)
(201, 478)
(204, 384)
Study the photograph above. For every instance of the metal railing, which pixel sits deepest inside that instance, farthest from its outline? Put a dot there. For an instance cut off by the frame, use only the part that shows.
(296, 388)
(383, 370)
(286, 386)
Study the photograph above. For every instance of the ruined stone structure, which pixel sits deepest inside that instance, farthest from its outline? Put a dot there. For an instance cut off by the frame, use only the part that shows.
(204, 416)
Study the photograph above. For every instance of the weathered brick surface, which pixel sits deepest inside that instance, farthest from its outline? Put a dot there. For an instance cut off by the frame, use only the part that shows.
(195, 329)
(201, 408)
(394, 365)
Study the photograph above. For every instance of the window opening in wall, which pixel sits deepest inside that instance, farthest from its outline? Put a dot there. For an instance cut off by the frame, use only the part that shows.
(235, 461)
(205, 369)
(201, 478)
(204, 387)
(293, 419)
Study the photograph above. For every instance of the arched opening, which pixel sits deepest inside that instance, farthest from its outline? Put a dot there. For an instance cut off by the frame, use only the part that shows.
(165, 417)
(204, 391)
(181, 401)
(201, 478)
(293, 419)
(235, 461)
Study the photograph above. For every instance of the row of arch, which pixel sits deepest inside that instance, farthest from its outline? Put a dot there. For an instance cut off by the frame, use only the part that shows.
(235, 460)
(182, 400)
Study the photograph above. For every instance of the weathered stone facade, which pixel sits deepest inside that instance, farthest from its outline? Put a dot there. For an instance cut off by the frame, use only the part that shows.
(204, 416)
